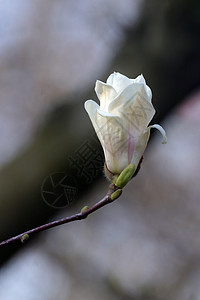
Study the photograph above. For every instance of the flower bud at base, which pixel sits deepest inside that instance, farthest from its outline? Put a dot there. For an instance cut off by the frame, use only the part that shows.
(116, 194)
(125, 176)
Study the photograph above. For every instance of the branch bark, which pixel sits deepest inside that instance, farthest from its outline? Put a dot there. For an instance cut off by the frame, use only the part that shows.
(22, 237)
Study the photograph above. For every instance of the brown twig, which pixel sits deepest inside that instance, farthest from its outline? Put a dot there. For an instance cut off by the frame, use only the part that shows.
(22, 237)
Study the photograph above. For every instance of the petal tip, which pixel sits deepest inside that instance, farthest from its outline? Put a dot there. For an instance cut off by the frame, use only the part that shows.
(162, 131)
(86, 104)
(90, 105)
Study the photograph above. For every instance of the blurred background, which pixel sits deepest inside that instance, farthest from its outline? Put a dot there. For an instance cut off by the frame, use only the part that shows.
(146, 245)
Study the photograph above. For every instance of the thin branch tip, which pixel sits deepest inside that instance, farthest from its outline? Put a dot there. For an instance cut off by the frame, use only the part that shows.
(112, 194)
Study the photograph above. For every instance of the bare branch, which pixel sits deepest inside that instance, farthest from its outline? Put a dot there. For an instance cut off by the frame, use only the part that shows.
(110, 197)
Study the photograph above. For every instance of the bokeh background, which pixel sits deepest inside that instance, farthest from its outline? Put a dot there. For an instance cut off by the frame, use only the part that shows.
(146, 245)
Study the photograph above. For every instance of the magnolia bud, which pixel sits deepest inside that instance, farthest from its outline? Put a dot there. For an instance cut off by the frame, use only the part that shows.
(122, 120)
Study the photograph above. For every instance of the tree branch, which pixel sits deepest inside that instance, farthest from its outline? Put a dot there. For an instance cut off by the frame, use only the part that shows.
(110, 197)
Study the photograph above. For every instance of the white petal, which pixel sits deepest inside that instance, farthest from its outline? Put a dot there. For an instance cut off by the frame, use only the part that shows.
(140, 147)
(105, 113)
(118, 81)
(149, 92)
(141, 79)
(91, 108)
(133, 91)
(114, 141)
(106, 93)
(132, 106)
(162, 131)
(146, 92)
(142, 143)
(110, 131)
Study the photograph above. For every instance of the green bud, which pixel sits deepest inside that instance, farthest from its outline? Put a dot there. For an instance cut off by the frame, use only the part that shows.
(84, 209)
(125, 176)
(24, 237)
(116, 194)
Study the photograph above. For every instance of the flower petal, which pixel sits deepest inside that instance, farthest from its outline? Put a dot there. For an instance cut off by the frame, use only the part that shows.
(91, 108)
(106, 93)
(131, 106)
(114, 140)
(140, 79)
(128, 95)
(110, 131)
(140, 147)
(162, 131)
(115, 144)
(118, 81)
(142, 143)
(105, 113)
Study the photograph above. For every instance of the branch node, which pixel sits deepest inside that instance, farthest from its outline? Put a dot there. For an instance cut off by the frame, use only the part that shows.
(84, 209)
(24, 238)
(116, 194)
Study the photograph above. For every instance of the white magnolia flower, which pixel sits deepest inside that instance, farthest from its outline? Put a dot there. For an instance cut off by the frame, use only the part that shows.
(121, 121)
